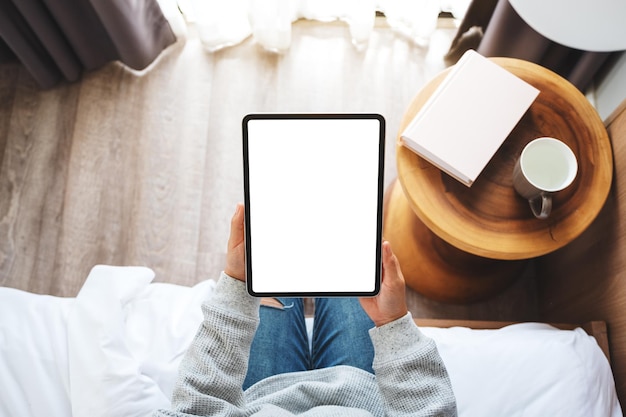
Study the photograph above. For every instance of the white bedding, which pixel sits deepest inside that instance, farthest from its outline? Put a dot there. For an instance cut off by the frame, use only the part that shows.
(114, 351)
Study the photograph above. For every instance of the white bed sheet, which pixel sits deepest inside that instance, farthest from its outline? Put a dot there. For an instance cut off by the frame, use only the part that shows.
(114, 351)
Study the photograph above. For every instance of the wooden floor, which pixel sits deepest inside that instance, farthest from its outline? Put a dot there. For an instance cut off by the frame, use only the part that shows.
(145, 169)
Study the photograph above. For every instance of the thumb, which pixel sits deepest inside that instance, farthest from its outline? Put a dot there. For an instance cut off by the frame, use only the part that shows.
(236, 227)
(391, 266)
(390, 303)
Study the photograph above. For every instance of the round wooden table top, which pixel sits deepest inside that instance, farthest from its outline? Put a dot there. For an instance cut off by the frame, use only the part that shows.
(489, 219)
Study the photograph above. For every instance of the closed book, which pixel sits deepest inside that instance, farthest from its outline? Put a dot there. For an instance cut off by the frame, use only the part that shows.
(468, 117)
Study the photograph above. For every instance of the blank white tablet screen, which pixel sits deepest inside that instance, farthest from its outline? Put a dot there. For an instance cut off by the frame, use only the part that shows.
(313, 188)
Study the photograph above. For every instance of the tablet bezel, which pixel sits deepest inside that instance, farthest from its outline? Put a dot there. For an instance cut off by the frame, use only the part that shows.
(377, 265)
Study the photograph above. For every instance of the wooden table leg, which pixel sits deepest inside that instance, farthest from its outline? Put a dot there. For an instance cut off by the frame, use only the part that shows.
(433, 267)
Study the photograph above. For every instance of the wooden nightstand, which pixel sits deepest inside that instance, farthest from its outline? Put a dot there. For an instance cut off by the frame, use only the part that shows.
(460, 244)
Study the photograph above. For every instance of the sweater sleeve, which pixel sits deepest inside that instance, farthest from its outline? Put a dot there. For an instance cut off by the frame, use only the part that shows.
(411, 375)
(214, 367)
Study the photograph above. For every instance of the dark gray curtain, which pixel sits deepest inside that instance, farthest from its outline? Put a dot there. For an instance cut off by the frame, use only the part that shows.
(493, 28)
(58, 40)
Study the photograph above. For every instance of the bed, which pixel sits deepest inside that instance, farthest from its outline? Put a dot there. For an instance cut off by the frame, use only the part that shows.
(114, 350)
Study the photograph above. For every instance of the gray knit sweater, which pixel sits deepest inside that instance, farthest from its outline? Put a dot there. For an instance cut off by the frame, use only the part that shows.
(411, 379)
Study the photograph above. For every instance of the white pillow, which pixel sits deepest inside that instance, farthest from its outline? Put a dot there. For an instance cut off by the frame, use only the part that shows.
(528, 369)
(126, 339)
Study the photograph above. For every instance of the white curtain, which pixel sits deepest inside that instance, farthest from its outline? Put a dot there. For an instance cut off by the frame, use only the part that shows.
(225, 23)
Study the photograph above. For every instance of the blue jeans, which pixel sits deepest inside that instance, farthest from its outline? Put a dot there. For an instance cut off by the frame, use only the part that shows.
(281, 345)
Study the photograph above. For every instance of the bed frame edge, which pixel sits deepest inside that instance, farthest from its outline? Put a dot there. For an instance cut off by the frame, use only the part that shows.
(596, 328)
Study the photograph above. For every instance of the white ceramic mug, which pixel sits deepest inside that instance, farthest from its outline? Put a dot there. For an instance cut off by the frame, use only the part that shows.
(545, 166)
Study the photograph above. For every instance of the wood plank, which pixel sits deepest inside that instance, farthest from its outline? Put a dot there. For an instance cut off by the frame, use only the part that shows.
(32, 176)
(8, 81)
(94, 198)
(139, 149)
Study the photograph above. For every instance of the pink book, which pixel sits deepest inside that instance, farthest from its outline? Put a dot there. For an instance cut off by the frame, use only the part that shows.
(468, 117)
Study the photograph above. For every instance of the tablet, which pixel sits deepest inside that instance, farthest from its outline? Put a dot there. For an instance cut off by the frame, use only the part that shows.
(313, 190)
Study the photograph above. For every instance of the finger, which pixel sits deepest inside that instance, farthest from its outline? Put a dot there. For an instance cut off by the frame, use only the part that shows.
(238, 216)
(236, 225)
(386, 252)
(391, 265)
(388, 257)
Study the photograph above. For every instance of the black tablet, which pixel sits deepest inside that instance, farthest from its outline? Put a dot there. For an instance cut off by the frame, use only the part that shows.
(313, 189)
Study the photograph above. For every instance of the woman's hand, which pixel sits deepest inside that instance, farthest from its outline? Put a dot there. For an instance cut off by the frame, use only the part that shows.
(390, 303)
(235, 254)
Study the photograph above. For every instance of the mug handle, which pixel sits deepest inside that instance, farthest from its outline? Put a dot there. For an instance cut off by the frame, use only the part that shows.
(541, 205)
